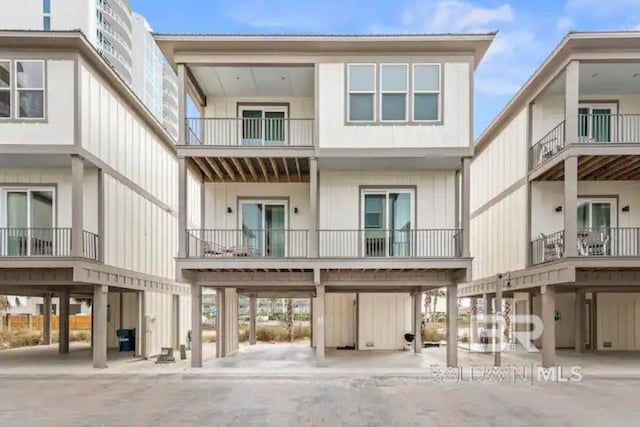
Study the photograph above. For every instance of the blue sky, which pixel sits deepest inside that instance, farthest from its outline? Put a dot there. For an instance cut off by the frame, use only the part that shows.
(528, 29)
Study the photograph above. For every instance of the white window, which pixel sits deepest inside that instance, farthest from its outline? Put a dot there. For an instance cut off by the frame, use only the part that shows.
(361, 79)
(394, 82)
(5, 89)
(426, 92)
(30, 89)
(388, 222)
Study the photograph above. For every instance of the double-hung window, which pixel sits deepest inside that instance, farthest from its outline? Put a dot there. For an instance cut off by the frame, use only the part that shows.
(5, 89)
(394, 82)
(30, 89)
(426, 92)
(361, 92)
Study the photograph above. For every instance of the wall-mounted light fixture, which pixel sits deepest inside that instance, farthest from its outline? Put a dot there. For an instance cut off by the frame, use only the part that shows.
(229, 210)
(559, 209)
(295, 210)
(626, 209)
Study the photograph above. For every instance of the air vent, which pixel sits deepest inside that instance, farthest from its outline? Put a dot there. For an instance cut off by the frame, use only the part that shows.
(369, 344)
(607, 344)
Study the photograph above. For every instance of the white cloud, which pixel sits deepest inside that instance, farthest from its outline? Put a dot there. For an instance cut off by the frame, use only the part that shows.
(564, 24)
(454, 16)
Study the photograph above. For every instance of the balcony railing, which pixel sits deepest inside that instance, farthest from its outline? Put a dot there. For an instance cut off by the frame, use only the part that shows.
(250, 132)
(248, 243)
(592, 129)
(548, 146)
(547, 248)
(591, 242)
(434, 243)
(45, 242)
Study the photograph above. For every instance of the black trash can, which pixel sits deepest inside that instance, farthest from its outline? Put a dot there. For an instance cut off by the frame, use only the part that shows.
(126, 339)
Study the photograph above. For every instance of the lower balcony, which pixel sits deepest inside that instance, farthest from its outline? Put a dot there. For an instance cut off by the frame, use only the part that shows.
(591, 242)
(45, 242)
(368, 243)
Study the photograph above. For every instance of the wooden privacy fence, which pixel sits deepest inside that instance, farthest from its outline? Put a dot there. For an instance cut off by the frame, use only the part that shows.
(30, 322)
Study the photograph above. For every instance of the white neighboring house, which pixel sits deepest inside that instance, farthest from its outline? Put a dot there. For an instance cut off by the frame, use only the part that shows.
(326, 167)
(35, 306)
(555, 197)
(121, 36)
(88, 193)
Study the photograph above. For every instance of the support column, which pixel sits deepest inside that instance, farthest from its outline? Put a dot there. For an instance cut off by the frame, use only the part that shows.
(100, 298)
(182, 208)
(465, 207)
(182, 104)
(417, 321)
(77, 206)
(580, 321)
(548, 303)
(313, 207)
(221, 323)
(63, 324)
(497, 342)
(46, 319)
(252, 318)
(452, 325)
(319, 323)
(311, 302)
(196, 326)
(142, 323)
(569, 209)
(473, 323)
(571, 102)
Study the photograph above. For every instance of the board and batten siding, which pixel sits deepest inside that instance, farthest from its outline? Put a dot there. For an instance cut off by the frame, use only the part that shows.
(618, 321)
(218, 197)
(383, 319)
(58, 127)
(60, 179)
(454, 131)
(227, 107)
(435, 196)
(160, 321)
(194, 201)
(340, 320)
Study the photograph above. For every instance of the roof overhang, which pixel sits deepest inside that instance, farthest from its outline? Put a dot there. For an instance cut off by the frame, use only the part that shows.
(591, 46)
(173, 45)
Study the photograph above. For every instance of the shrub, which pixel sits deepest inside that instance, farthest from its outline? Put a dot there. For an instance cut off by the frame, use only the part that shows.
(433, 332)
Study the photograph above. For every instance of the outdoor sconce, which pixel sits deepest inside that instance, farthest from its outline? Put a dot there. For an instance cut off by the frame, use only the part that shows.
(559, 209)
(626, 209)
(229, 210)
(295, 210)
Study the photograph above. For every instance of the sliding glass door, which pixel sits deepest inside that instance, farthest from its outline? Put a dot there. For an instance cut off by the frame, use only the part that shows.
(29, 219)
(264, 227)
(596, 219)
(263, 125)
(595, 122)
(387, 219)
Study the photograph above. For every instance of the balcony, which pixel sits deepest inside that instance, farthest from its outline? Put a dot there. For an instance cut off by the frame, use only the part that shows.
(591, 242)
(433, 243)
(251, 132)
(593, 129)
(45, 242)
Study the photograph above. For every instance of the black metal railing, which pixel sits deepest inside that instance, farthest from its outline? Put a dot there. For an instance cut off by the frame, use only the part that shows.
(609, 241)
(248, 243)
(45, 242)
(250, 131)
(548, 146)
(547, 248)
(425, 243)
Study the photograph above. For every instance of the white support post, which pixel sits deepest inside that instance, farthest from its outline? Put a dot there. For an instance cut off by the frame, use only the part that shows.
(182, 208)
(77, 206)
(497, 343)
(417, 321)
(63, 324)
(452, 325)
(548, 302)
(46, 319)
(196, 326)
(253, 299)
(100, 301)
(580, 321)
(571, 102)
(319, 321)
(313, 207)
(570, 206)
(465, 206)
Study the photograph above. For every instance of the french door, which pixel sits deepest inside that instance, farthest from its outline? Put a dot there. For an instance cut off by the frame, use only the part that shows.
(387, 219)
(264, 227)
(595, 122)
(263, 125)
(596, 219)
(29, 222)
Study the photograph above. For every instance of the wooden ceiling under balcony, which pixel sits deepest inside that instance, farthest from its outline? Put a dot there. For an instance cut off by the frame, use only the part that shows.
(252, 169)
(599, 168)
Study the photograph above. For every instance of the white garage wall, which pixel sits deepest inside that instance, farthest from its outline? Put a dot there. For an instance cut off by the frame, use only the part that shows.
(383, 321)
(340, 324)
(618, 320)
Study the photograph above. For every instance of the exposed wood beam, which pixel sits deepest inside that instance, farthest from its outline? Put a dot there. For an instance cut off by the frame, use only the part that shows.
(238, 166)
(274, 165)
(629, 169)
(227, 168)
(202, 165)
(596, 167)
(252, 170)
(298, 169)
(215, 168)
(264, 169)
(286, 169)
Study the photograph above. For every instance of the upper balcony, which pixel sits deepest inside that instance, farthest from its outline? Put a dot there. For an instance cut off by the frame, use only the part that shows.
(45, 243)
(590, 111)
